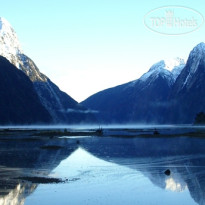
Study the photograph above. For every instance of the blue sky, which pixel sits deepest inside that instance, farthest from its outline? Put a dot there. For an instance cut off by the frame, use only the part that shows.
(85, 46)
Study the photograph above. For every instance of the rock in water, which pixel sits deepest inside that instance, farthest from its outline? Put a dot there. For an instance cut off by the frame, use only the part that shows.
(167, 172)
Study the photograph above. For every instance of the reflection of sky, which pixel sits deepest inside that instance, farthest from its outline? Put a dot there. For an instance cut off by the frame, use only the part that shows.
(94, 181)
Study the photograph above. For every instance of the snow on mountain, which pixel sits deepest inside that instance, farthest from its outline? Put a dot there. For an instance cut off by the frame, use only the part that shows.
(187, 93)
(10, 48)
(154, 70)
(171, 64)
(142, 100)
(158, 96)
(196, 57)
(9, 45)
(168, 69)
(52, 98)
(177, 70)
(175, 66)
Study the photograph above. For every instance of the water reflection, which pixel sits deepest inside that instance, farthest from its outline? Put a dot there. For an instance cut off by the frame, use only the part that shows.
(102, 169)
(184, 157)
(25, 157)
(18, 194)
(102, 182)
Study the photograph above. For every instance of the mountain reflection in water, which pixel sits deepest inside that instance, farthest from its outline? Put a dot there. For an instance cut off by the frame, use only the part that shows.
(184, 157)
(104, 170)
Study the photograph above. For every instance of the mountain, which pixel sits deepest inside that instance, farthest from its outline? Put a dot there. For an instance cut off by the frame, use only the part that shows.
(170, 92)
(60, 106)
(187, 95)
(142, 100)
(19, 102)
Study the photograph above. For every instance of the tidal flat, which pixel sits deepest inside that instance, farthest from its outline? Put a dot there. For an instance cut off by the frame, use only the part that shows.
(106, 165)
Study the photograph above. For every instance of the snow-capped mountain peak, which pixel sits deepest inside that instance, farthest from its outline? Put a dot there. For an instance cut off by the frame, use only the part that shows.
(10, 48)
(9, 44)
(175, 66)
(51, 97)
(154, 70)
(171, 64)
(169, 69)
(9, 35)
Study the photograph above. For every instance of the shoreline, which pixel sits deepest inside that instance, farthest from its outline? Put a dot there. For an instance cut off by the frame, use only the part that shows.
(146, 132)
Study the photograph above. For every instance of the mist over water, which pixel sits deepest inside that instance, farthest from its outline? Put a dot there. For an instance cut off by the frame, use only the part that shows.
(106, 126)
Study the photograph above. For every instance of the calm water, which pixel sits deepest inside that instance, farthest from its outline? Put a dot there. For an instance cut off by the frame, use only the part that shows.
(104, 170)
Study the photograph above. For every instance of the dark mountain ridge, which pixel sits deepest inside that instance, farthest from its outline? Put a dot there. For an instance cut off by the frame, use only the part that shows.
(19, 102)
(61, 107)
(159, 96)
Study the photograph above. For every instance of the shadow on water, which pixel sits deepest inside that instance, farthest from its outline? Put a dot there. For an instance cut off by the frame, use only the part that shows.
(184, 158)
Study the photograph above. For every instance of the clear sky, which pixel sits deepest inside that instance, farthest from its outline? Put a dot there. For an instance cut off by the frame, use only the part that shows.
(85, 46)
